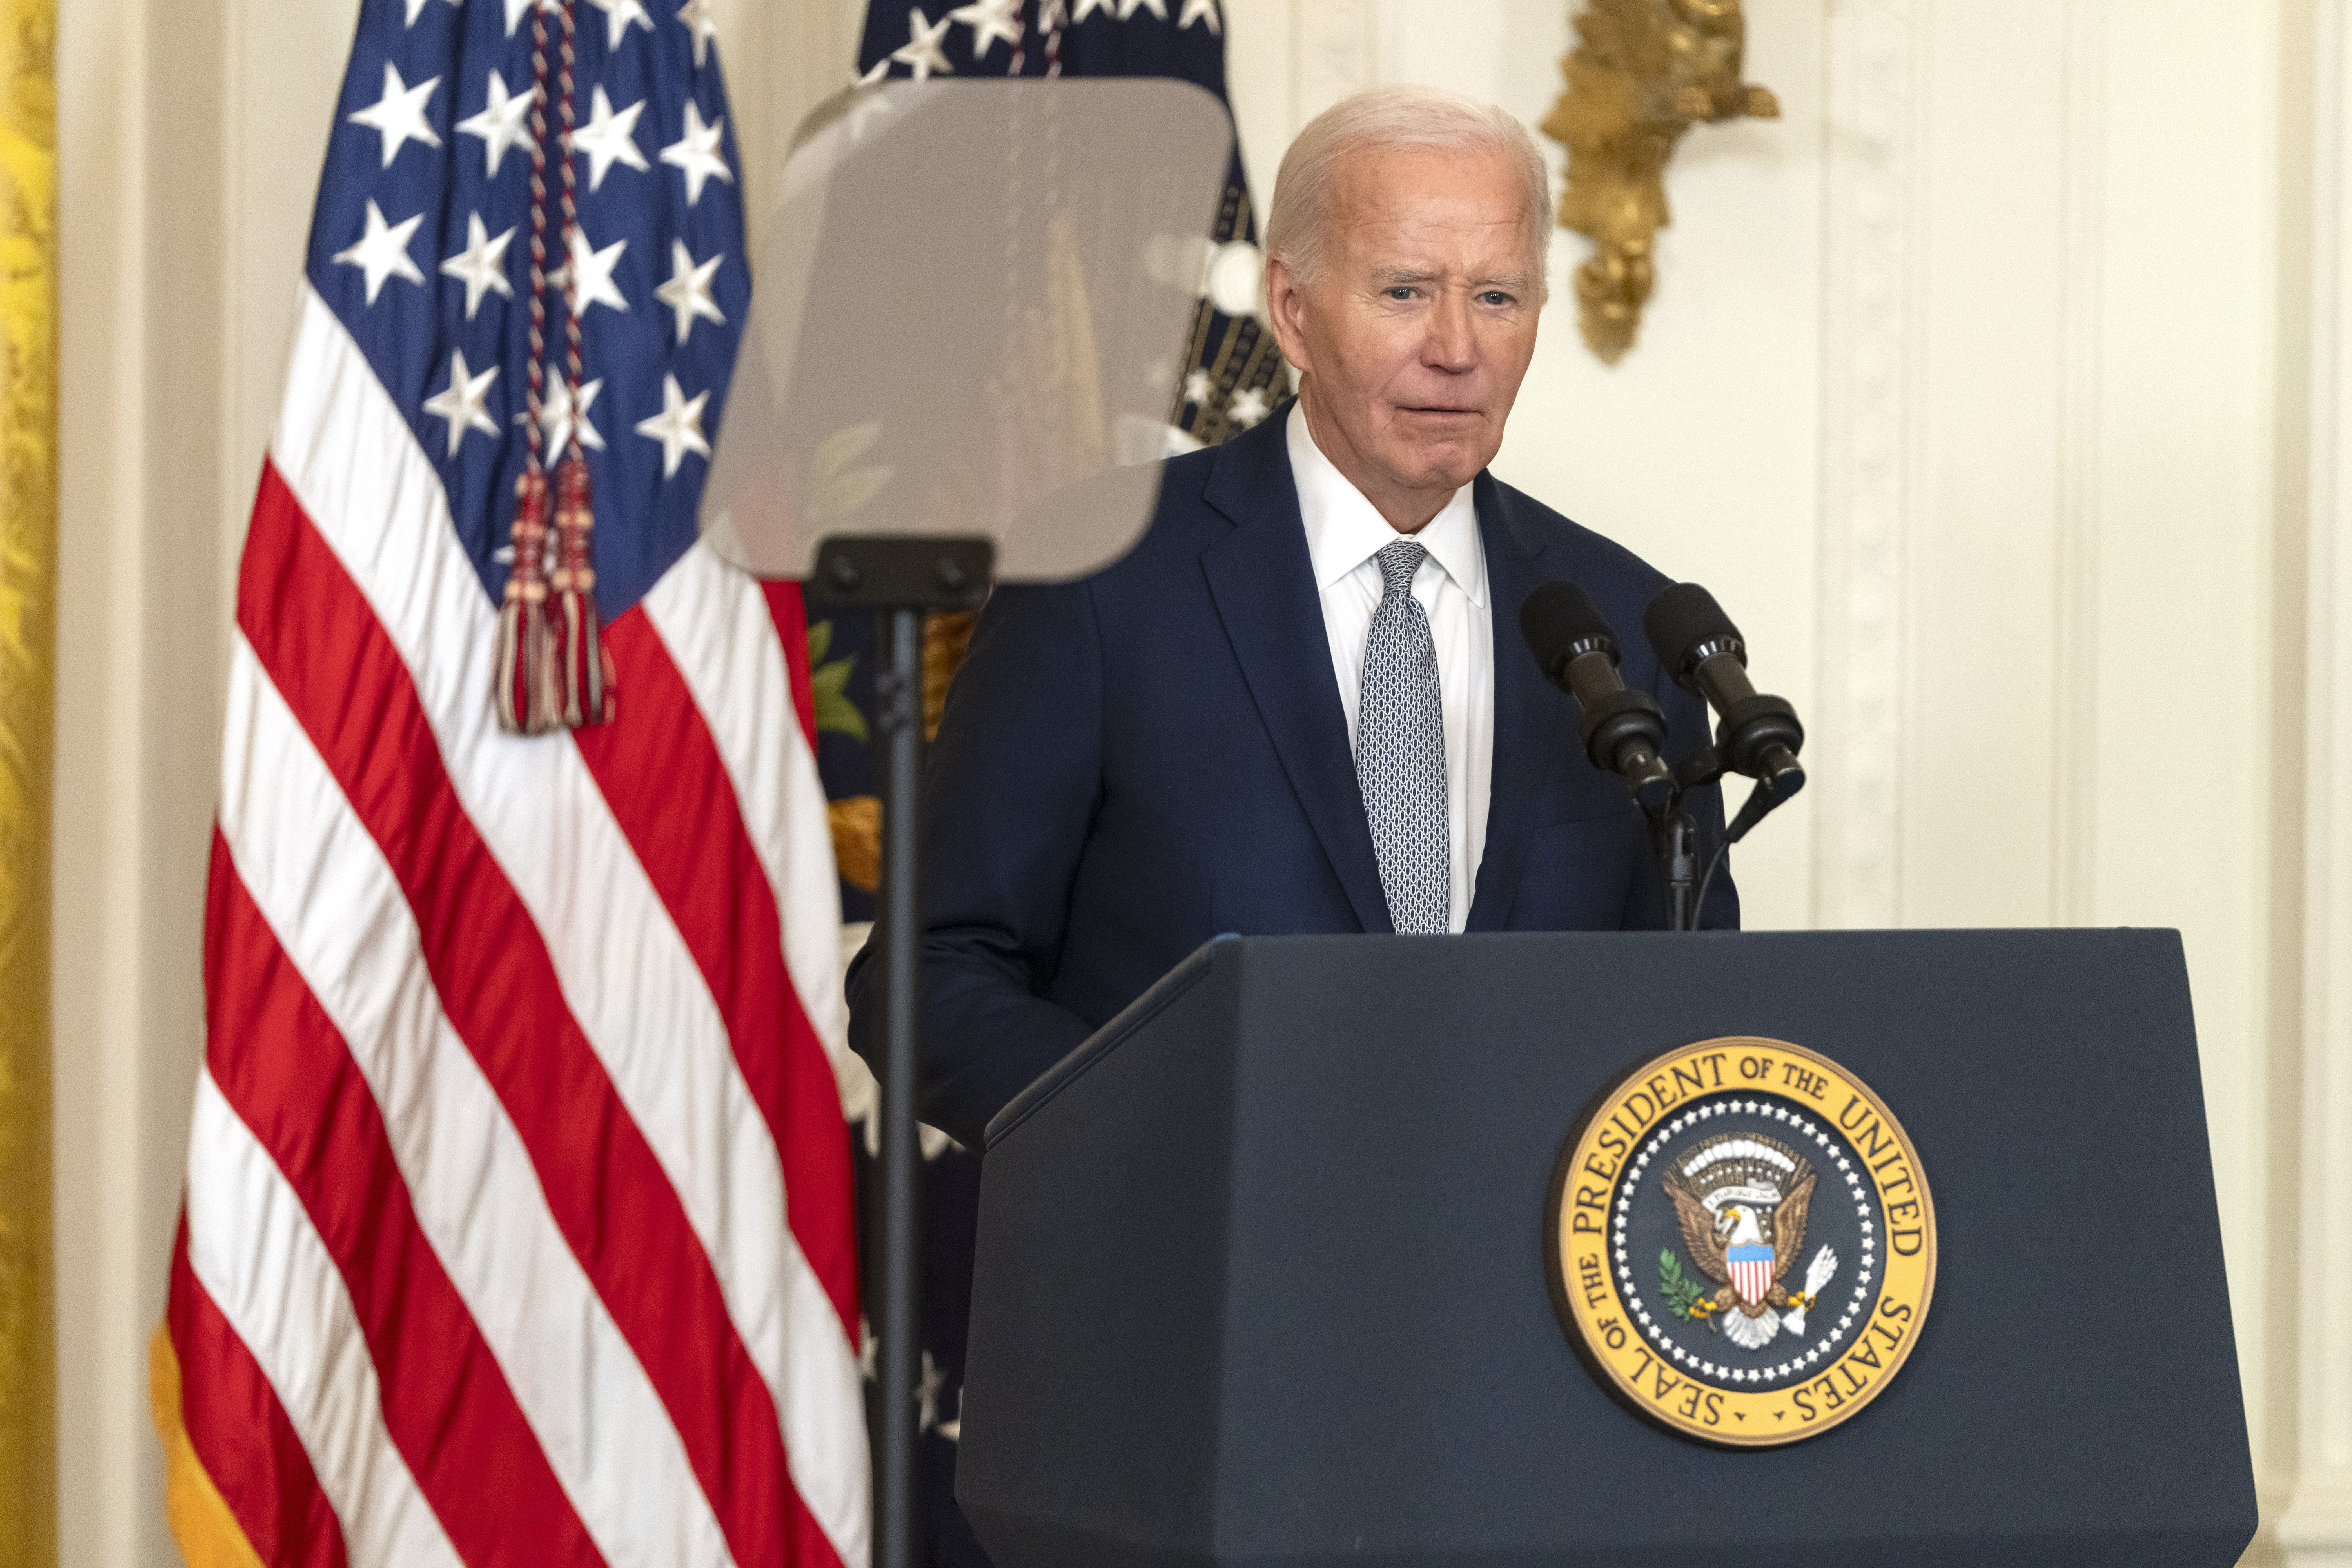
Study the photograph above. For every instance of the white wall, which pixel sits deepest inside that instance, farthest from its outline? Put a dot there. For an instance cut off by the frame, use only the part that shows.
(141, 625)
(1994, 388)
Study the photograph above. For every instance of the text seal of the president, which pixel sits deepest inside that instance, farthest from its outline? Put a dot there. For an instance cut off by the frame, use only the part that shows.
(1741, 1242)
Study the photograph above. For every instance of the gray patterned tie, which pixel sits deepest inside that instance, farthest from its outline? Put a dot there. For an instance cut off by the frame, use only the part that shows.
(1401, 749)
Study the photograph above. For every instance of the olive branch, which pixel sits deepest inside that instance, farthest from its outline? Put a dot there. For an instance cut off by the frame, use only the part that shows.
(1680, 1290)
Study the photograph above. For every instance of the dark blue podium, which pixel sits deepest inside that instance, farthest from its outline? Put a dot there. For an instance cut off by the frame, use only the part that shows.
(1261, 1271)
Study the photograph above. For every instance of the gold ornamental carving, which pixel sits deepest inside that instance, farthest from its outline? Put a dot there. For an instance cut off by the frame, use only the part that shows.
(1644, 72)
(28, 499)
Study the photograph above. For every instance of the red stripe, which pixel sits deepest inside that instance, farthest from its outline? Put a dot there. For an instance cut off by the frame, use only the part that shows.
(318, 637)
(281, 1063)
(789, 611)
(240, 1433)
(661, 772)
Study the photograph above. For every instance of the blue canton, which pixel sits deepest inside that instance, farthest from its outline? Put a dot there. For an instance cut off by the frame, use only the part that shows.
(421, 245)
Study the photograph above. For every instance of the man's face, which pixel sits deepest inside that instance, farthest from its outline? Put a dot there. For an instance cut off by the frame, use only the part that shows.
(1413, 340)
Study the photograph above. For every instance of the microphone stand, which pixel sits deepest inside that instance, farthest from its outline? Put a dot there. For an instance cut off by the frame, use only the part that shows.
(1673, 833)
(899, 578)
(1676, 837)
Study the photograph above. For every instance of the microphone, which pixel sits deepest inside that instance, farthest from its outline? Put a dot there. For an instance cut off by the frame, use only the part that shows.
(1622, 731)
(1759, 735)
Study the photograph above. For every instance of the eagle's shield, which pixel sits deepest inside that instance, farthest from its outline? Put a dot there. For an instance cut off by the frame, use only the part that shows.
(1751, 1271)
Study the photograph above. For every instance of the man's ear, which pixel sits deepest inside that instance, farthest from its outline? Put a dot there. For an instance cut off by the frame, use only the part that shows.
(1286, 304)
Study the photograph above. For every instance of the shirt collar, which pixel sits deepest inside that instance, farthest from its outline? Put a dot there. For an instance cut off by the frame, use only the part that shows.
(1344, 530)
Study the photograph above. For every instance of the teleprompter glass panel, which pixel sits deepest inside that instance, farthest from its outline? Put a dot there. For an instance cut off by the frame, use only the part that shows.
(969, 317)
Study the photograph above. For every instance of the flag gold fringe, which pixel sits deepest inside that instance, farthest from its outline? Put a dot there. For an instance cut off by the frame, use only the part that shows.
(208, 1532)
(28, 501)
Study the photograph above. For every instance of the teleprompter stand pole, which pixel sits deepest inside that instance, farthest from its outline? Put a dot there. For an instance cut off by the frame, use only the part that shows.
(899, 686)
(899, 578)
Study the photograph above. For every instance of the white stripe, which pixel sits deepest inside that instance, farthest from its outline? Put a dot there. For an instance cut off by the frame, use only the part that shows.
(714, 620)
(324, 886)
(626, 973)
(252, 1247)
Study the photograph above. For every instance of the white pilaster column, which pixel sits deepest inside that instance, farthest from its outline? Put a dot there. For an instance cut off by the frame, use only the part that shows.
(1870, 151)
(2316, 1530)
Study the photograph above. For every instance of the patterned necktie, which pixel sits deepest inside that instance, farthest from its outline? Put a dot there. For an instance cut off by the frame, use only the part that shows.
(1401, 749)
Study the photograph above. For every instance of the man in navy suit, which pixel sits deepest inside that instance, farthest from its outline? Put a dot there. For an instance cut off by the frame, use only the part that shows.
(1302, 703)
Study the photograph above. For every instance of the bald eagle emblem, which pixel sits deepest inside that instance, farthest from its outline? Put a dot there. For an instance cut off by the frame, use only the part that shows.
(1741, 1202)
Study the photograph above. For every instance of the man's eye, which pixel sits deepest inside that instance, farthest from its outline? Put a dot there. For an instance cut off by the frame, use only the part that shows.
(1401, 291)
(1496, 297)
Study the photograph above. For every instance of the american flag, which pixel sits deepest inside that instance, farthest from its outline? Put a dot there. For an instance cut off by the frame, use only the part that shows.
(519, 1222)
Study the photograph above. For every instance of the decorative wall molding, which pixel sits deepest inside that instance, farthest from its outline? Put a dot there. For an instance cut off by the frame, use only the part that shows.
(1870, 143)
(2316, 1529)
(2074, 709)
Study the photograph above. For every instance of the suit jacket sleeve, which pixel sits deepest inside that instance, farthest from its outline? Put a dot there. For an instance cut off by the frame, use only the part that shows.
(1009, 793)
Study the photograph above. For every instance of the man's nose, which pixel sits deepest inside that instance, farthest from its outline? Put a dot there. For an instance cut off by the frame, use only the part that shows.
(1450, 346)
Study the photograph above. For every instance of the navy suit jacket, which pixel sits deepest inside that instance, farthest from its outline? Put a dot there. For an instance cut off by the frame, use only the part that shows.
(1131, 764)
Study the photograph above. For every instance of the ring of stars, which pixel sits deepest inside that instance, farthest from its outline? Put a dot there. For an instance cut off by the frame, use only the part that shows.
(1800, 1128)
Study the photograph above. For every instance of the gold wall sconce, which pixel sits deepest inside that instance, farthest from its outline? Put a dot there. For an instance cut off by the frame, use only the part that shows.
(1644, 72)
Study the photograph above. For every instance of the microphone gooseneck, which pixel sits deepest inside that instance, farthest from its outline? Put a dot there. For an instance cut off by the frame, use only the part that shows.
(1622, 731)
(1758, 734)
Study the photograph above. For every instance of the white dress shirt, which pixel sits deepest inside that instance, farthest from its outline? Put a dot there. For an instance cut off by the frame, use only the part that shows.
(1344, 532)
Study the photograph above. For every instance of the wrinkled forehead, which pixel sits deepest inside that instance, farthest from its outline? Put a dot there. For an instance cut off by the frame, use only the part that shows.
(1434, 210)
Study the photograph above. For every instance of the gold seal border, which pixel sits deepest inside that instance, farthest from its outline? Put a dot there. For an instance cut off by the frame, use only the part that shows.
(1588, 1300)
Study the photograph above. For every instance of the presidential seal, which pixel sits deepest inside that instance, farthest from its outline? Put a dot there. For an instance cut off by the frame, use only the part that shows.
(1741, 1242)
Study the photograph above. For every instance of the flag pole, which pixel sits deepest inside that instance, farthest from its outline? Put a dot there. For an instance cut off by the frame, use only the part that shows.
(900, 578)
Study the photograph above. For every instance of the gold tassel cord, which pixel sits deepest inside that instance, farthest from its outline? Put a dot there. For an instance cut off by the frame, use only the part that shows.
(28, 496)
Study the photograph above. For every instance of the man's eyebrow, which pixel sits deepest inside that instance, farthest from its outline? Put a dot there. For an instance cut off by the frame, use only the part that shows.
(1391, 276)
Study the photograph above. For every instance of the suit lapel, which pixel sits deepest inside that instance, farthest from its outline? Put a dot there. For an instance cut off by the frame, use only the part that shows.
(1526, 733)
(1263, 585)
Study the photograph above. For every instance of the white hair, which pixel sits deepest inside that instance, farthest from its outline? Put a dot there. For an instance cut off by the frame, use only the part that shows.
(1385, 118)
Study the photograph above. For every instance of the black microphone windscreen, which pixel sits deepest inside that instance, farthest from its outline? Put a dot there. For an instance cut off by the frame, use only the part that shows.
(1682, 617)
(1556, 617)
